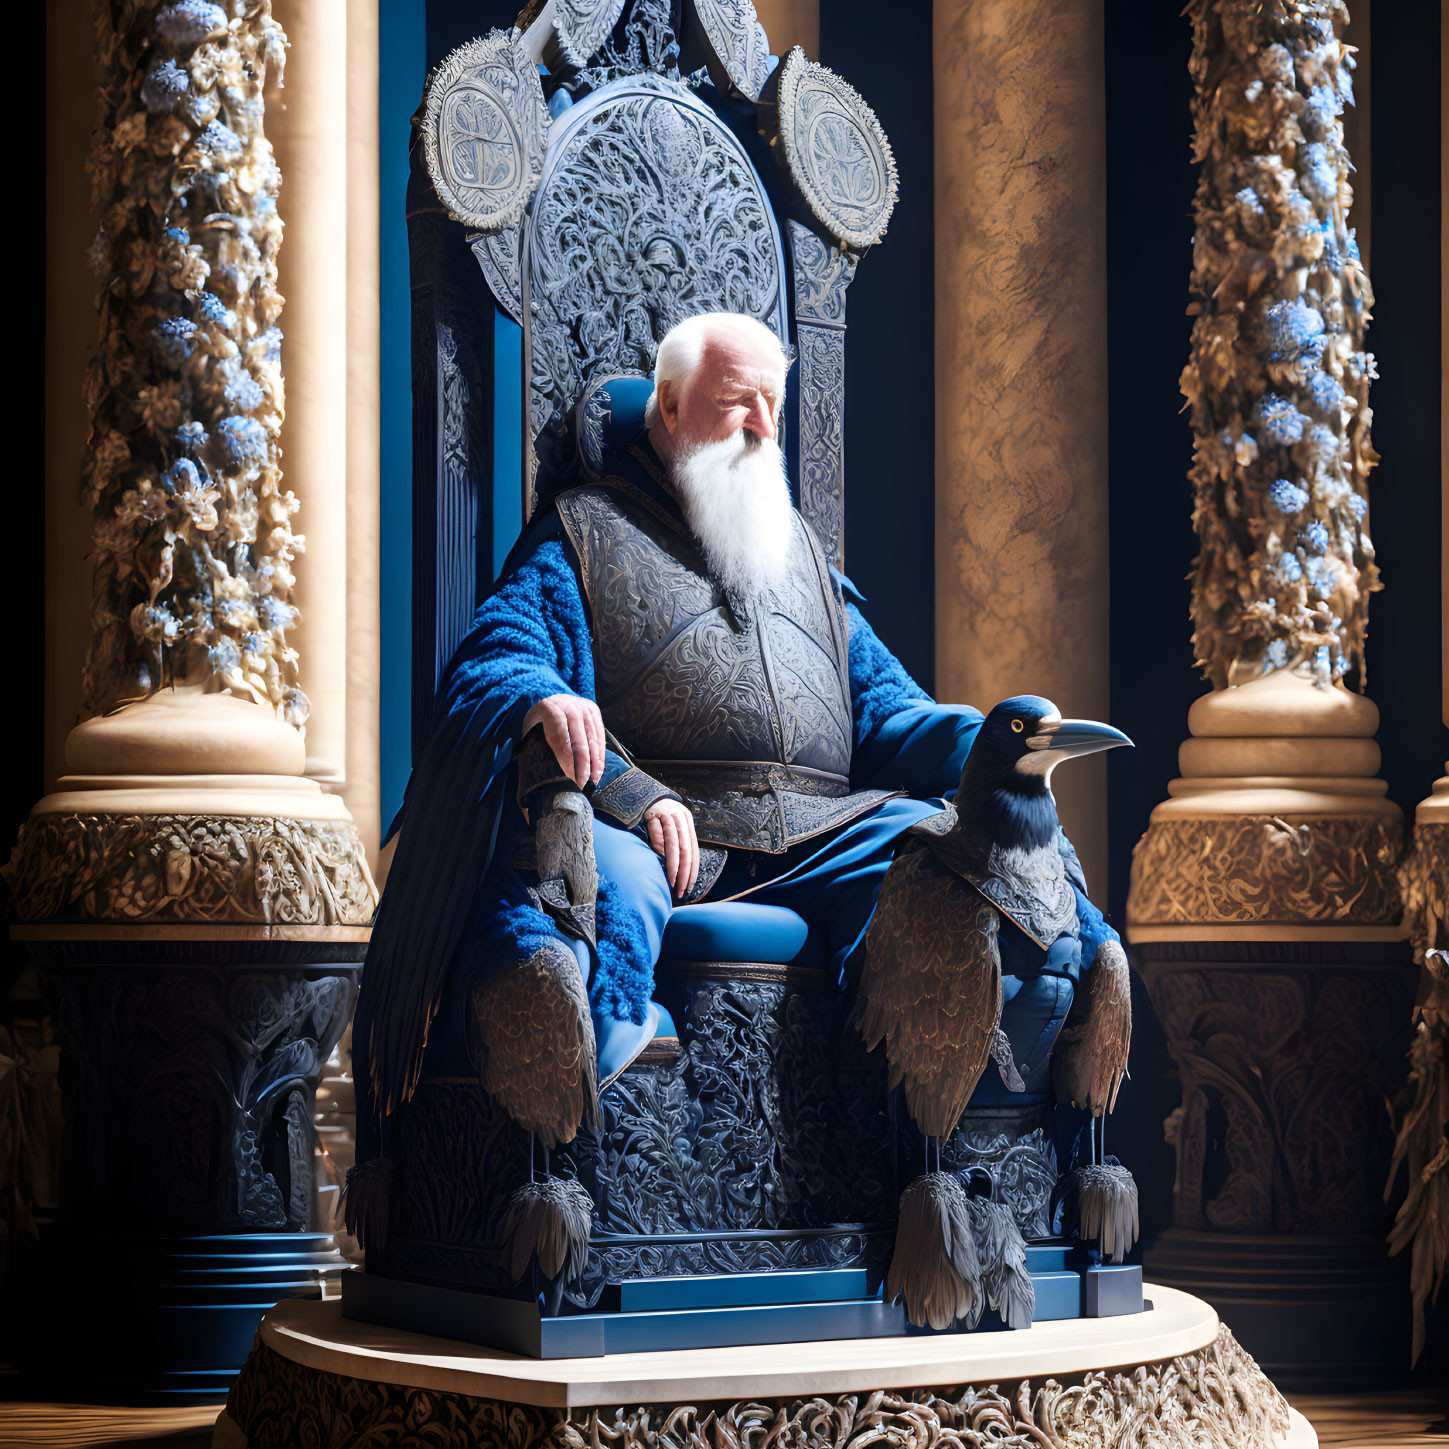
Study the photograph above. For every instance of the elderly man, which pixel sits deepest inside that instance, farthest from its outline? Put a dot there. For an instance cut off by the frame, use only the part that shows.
(671, 625)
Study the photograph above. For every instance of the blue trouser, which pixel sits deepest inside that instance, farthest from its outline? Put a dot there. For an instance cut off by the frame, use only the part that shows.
(831, 881)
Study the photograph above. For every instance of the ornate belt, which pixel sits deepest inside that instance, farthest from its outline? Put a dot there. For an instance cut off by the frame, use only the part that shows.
(744, 777)
(757, 805)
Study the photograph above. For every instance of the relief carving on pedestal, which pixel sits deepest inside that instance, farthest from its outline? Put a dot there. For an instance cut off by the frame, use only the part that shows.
(1285, 1078)
(1328, 870)
(219, 870)
(1216, 1398)
(189, 1093)
(1424, 881)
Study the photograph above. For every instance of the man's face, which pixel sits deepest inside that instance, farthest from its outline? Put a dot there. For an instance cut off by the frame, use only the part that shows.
(738, 385)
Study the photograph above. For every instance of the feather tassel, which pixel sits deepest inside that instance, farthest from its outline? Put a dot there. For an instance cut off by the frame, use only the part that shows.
(1002, 1252)
(550, 1220)
(935, 1267)
(1099, 1202)
(367, 1202)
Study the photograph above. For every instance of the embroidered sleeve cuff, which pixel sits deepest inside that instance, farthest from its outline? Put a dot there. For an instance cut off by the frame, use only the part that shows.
(626, 797)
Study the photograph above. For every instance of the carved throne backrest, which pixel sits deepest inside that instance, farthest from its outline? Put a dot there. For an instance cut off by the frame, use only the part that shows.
(613, 175)
(648, 211)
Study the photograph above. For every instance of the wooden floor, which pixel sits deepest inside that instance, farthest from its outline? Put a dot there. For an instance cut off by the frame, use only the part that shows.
(1385, 1421)
(1399, 1420)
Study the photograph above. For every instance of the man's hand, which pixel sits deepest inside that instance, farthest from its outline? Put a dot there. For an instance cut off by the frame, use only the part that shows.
(671, 833)
(574, 729)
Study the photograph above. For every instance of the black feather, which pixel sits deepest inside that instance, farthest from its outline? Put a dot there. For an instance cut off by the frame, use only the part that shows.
(1002, 1252)
(454, 802)
(367, 1202)
(549, 1220)
(935, 1267)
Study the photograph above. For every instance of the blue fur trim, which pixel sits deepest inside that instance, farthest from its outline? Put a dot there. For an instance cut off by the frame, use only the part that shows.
(525, 926)
(528, 640)
(1093, 928)
(879, 684)
(625, 979)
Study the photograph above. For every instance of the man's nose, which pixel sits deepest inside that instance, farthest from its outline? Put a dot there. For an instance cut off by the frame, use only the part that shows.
(759, 421)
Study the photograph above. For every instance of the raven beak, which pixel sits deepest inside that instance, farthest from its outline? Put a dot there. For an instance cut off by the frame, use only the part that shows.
(1069, 737)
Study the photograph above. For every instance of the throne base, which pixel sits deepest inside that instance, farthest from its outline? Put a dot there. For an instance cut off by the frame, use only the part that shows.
(718, 1310)
(319, 1379)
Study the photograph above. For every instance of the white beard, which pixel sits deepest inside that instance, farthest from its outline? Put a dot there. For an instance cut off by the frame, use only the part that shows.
(735, 498)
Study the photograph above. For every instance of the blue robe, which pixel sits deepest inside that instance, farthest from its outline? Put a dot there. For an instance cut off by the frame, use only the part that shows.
(454, 904)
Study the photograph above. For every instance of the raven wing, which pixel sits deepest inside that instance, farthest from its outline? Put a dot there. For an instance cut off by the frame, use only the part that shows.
(454, 802)
(1090, 1056)
(536, 1052)
(930, 987)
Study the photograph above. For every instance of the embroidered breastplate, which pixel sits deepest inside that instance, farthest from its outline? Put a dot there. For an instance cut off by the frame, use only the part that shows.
(746, 713)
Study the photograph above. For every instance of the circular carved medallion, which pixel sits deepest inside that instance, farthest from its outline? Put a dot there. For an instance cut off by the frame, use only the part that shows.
(485, 128)
(836, 151)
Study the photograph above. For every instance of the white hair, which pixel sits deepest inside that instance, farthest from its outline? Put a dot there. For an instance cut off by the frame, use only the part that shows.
(682, 350)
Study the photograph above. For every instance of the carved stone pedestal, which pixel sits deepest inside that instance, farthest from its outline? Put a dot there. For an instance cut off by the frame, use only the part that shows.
(189, 1064)
(1172, 1376)
(1264, 918)
(1424, 875)
(1317, 1311)
(1288, 1053)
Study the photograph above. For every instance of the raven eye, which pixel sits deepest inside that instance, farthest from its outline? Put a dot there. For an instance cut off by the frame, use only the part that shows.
(1017, 725)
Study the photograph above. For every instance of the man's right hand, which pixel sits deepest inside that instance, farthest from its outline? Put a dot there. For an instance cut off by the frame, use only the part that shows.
(574, 729)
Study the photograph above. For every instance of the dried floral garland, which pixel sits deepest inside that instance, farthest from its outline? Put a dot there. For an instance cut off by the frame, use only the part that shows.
(1278, 378)
(193, 542)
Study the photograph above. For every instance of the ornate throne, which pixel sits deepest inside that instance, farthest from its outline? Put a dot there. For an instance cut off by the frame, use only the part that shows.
(608, 168)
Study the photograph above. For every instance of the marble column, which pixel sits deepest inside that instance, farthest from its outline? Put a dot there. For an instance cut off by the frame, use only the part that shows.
(197, 906)
(1021, 371)
(1265, 912)
(70, 334)
(789, 23)
(309, 128)
(1426, 873)
(362, 654)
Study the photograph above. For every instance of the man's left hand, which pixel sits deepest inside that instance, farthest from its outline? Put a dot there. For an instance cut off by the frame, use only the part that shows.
(671, 833)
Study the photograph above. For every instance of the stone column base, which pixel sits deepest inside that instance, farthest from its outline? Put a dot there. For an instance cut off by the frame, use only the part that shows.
(1289, 1052)
(1424, 874)
(1320, 1314)
(189, 1059)
(126, 1318)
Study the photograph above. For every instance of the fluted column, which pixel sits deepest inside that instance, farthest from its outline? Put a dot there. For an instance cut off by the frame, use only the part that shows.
(1426, 872)
(70, 334)
(1264, 912)
(789, 23)
(1021, 370)
(362, 653)
(1422, 1115)
(309, 128)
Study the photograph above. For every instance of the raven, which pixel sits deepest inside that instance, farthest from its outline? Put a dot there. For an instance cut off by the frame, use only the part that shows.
(930, 985)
